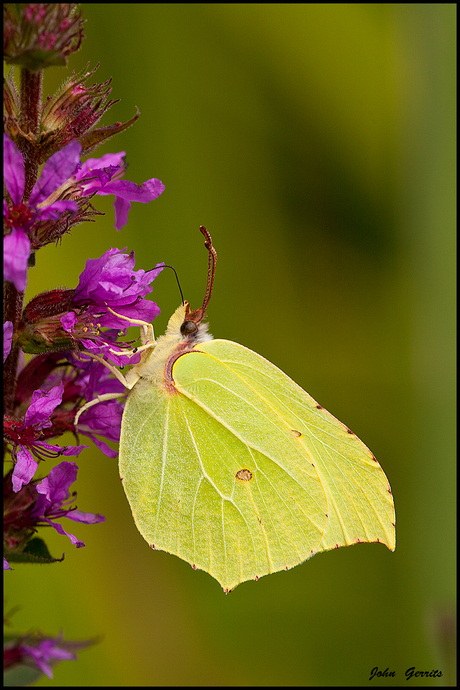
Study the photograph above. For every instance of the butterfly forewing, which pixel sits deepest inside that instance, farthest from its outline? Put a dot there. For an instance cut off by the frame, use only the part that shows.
(359, 501)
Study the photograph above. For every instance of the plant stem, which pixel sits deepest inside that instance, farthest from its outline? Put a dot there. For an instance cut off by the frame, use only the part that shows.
(29, 122)
(12, 310)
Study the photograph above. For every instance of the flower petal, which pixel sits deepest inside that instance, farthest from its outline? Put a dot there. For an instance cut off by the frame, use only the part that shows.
(73, 450)
(103, 447)
(126, 191)
(57, 169)
(55, 487)
(59, 528)
(96, 272)
(68, 321)
(111, 280)
(57, 450)
(24, 468)
(148, 191)
(7, 338)
(121, 208)
(42, 405)
(104, 418)
(13, 170)
(55, 210)
(16, 252)
(45, 652)
(87, 518)
(110, 159)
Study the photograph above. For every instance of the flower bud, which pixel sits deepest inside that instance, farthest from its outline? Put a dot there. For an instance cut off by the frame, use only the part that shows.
(73, 112)
(41, 329)
(39, 35)
(48, 304)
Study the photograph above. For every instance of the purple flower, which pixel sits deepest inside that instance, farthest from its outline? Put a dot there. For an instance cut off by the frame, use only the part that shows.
(22, 217)
(25, 437)
(39, 504)
(47, 653)
(39, 652)
(110, 281)
(7, 338)
(54, 499)
(101, 176)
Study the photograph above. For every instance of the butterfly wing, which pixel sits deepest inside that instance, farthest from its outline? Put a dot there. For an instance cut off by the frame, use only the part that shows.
(231, 383)
(237, 503)
(241, 473)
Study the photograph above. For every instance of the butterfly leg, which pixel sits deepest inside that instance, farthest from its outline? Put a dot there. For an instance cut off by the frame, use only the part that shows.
(128, 381)
(146, 327)
(97, 399)
(123, 379)
(147, 334)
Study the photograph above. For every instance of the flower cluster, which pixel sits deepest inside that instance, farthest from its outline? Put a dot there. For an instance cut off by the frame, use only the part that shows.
(59, 199)
(59, 347)
(38, 35)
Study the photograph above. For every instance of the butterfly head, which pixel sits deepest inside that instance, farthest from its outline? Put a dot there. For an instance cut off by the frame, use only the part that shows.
(192, 329)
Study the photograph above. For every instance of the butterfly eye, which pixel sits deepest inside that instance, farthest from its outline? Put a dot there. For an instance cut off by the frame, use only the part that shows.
(188, 327)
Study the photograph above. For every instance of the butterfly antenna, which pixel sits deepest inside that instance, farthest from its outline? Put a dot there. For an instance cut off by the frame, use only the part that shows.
(212, 260)
(177, 279)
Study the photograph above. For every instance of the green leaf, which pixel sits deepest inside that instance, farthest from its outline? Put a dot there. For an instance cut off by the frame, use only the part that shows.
(20, 676)
(36, 551)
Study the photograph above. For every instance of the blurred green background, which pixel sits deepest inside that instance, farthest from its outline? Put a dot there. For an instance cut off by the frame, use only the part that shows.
(317, 144)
